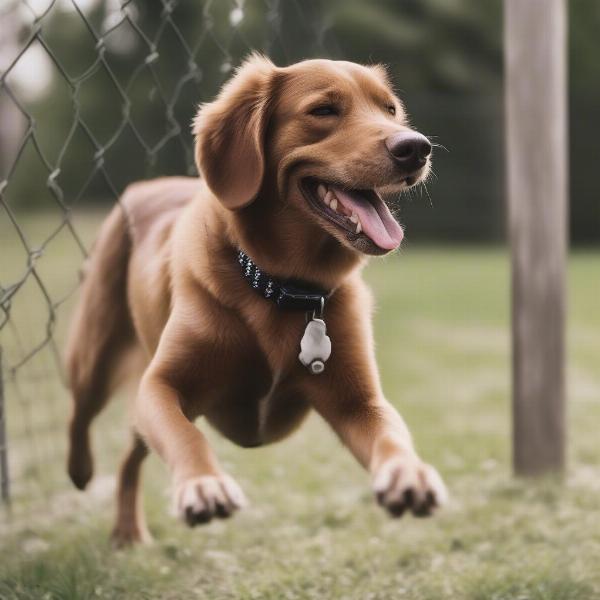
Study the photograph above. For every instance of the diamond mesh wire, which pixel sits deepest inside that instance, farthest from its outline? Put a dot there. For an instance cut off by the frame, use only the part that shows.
(153, 61)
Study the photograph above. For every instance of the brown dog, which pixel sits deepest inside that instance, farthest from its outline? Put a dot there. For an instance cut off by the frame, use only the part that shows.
(293, 161)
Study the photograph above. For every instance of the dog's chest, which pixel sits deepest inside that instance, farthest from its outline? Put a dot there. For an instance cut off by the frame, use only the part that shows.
(259, 396)
(262, 397)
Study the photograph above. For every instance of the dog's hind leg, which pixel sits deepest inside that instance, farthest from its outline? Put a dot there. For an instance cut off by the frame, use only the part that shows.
(130, 526)
(90, 396)
(101, 332)
(80, 462)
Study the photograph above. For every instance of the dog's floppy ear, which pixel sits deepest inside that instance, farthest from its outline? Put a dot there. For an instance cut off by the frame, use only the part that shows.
(230, 133)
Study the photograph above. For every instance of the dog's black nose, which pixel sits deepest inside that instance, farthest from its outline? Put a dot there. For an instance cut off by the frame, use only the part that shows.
(409, 149)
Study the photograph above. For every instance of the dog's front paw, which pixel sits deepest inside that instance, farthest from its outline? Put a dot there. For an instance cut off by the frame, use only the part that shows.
(199, 499)
(405, 483)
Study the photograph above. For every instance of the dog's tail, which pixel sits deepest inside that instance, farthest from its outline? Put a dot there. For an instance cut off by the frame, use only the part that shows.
(100, 332)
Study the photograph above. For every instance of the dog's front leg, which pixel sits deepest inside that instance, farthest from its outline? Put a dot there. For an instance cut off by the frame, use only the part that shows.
(378, 437)
(349, 396)
(201, 489)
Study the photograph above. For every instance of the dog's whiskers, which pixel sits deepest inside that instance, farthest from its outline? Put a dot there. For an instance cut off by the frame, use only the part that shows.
(424, 186)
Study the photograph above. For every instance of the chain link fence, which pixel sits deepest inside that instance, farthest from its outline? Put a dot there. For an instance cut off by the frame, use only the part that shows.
(94, 94)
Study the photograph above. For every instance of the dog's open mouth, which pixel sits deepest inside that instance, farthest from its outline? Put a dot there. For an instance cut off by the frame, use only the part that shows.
(360, 213)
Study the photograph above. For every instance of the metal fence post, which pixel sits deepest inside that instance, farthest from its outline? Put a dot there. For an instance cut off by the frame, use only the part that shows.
(537, 161)
(4, 475)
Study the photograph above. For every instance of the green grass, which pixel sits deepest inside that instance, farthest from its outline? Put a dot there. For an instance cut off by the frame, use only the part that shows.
(313, 530)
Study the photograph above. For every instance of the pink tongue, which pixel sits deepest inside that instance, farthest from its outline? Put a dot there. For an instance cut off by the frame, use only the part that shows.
(375, 217)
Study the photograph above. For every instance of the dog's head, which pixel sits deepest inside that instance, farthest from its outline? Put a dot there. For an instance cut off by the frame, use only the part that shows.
(329, 138)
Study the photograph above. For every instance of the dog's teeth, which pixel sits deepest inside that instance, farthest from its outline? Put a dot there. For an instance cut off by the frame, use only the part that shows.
(354, 218)
(334, 203)
(358, 227)
(321, 190)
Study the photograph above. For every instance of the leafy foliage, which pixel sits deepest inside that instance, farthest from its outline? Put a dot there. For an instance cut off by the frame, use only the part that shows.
(132, 79)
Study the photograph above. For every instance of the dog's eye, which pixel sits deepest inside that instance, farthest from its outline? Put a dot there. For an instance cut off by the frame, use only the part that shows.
(324, 110)
(391, 109)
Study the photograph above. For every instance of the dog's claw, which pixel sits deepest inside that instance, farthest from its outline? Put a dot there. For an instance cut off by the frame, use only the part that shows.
(200, 499)
(403, 484)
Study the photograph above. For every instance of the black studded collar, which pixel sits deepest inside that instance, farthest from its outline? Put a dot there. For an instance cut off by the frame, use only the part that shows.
(290, 294)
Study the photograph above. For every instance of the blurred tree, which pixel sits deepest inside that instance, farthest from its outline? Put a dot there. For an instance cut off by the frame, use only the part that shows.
(104, 130)
(584, 101)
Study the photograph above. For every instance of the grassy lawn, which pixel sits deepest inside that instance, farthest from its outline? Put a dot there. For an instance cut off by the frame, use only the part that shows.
(312, 529)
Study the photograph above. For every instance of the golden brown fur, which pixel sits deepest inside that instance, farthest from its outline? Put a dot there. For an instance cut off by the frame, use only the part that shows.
(163, 284)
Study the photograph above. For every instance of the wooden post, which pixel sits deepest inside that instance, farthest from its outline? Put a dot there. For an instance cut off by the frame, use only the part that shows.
(537, 161)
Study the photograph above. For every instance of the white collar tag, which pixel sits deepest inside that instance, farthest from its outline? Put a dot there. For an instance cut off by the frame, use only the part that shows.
(315, 346)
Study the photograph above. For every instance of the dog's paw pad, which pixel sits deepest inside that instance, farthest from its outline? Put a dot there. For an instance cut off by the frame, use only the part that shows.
(200, 499)
(406, 484)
